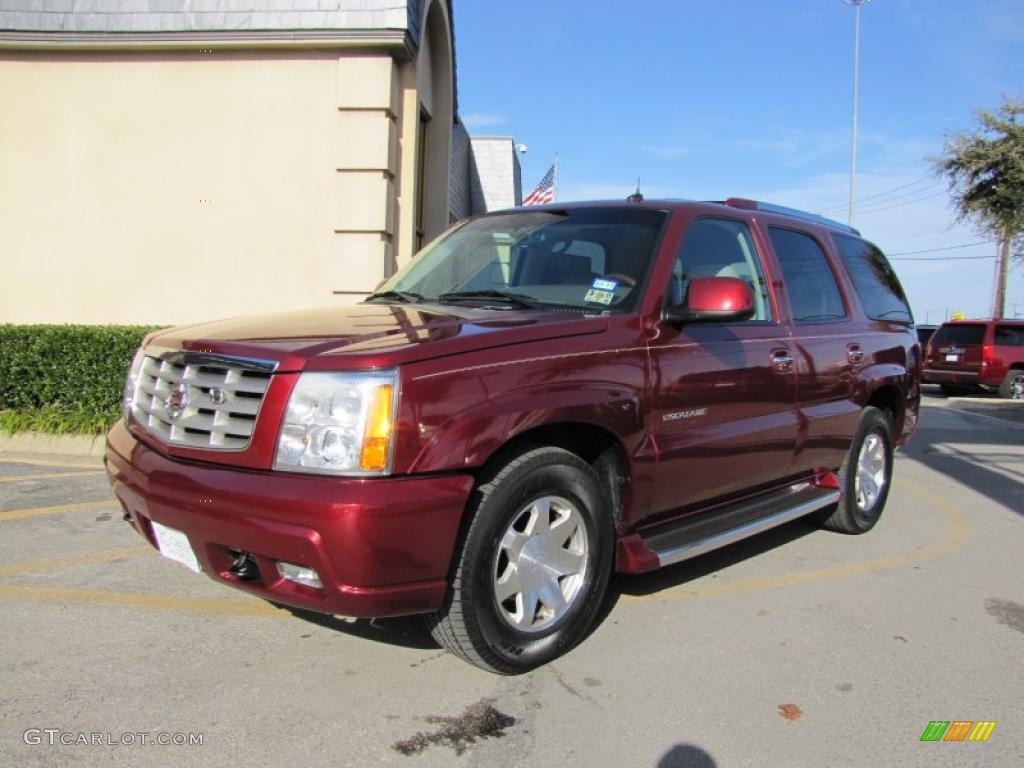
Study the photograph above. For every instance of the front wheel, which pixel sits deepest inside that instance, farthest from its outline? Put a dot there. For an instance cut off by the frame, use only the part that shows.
(866, 474)
(533, 566)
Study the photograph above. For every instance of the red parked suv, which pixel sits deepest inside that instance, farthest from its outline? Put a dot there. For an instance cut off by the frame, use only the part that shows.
(541, 397)
(972, 354)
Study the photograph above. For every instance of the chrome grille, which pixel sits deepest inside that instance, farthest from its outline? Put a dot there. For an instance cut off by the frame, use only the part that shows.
(199, 400)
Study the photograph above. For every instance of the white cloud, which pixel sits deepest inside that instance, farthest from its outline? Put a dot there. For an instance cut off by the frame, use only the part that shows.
(918, 217)
(607, 190)
(667, 151)
(477, 120)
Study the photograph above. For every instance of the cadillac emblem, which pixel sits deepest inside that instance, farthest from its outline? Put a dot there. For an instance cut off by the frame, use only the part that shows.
(176, 401)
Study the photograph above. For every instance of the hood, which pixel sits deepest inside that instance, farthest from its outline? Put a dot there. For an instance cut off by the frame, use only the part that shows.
(373, 334)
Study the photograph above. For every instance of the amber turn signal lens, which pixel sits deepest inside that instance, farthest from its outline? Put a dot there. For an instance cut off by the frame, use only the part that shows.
(377, 438)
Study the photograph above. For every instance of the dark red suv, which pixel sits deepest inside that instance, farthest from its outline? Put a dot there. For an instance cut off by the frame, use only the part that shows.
(541, 397)
(966, 355)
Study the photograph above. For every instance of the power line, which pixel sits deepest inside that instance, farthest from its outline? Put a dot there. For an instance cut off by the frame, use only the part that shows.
(947, 248)
(943, 258)
(894, 189)
(933, 233)
(905, 195)
(907, 202)
(838, 208)
(884, 205)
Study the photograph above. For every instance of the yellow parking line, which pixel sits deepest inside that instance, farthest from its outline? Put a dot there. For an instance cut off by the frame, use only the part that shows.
(85, 506)
(47, 476)
(56, 564)
(233, 607)
(955, 535)
(51, 463)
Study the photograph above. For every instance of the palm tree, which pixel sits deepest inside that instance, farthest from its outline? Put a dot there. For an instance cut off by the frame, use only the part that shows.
(985, 171)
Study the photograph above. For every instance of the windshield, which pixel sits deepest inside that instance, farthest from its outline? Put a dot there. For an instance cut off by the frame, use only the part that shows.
(587, 258)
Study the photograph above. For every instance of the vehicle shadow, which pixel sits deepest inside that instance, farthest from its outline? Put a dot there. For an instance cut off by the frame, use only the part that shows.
(412, 632)
(944, 443)
(402, 631)
(638, 585)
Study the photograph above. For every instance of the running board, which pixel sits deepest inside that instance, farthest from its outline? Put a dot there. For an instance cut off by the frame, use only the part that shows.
(691, 538)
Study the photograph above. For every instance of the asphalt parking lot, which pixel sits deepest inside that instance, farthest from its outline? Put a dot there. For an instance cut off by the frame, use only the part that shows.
(800, 648)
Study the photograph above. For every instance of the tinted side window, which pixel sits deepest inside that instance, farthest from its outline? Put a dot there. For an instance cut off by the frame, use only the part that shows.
(874, 280)
(720, 248)
(1009, 335)
(813, 292)
(959, 334)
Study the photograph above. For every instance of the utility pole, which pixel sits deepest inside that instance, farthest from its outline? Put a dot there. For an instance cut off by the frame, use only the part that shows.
(856, 103)
(1002, 270)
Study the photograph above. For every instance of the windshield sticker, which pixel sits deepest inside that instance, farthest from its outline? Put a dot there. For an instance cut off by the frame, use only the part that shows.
(601, 284)
(599, 297)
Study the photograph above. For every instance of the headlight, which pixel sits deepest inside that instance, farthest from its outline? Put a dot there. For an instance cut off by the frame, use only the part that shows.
(131, 383)
(340, 424)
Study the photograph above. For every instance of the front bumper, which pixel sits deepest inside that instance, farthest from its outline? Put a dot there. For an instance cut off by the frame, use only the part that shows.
(381, 546)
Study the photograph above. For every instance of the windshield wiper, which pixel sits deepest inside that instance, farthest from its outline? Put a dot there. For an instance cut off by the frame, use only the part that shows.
(406, 297)
(489, 296)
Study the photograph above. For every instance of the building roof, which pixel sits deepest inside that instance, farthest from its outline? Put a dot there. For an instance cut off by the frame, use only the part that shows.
(128, 17)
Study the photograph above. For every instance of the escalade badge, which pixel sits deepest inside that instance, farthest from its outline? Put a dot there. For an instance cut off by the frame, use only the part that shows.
(692, 413)
(176, 401)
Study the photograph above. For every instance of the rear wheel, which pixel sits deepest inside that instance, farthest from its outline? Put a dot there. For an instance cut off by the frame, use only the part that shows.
(866, 474)
(1013, 384)
(533, 566)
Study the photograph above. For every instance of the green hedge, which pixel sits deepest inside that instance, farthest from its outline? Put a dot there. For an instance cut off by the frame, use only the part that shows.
(64, 378)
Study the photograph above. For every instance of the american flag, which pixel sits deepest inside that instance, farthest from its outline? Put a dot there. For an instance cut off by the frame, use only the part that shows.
(545, 191)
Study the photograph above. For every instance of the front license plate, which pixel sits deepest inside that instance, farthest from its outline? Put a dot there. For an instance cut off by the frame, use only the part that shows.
(952, 358)
(175, 545)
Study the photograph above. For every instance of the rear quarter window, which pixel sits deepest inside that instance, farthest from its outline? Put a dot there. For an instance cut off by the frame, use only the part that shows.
(1009, 336)
(874, 280)
(959, 334)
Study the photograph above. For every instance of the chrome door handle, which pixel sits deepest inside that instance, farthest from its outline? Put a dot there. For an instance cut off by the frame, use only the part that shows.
(854, 353)
(782, 361)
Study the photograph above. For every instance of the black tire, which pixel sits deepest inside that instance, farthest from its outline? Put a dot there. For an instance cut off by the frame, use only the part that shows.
(472, 624)
(1014, 379)
(853, 514)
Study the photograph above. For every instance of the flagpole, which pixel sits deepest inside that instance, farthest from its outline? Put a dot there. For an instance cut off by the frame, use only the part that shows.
(554, 191)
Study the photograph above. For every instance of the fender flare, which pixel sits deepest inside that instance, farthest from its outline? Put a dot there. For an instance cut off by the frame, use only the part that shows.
(472, 436)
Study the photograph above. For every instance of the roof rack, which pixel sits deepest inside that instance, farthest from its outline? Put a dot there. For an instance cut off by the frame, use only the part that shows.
(757, 205)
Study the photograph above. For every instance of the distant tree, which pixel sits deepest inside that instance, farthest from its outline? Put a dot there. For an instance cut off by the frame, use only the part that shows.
(985, 171)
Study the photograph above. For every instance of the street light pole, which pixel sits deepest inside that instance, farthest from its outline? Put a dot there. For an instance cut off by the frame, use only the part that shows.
(856, 93)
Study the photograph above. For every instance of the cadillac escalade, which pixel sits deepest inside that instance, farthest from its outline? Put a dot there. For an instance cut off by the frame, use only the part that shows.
(542, 397)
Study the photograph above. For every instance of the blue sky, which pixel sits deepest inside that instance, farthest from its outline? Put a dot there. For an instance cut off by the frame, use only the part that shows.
(706, 100)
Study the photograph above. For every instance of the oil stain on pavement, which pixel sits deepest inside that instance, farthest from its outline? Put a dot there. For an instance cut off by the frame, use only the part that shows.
(1006, 612)
(478, 721)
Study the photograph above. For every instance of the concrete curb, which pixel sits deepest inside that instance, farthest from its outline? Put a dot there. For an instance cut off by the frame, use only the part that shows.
(42, 443)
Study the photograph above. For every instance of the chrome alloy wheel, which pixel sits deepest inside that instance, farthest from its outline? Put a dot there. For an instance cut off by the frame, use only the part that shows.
(1017, 387)
(871, 472)
(541, 564)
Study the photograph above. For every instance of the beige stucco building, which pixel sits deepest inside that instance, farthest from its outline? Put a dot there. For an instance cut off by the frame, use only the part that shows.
(182, 160)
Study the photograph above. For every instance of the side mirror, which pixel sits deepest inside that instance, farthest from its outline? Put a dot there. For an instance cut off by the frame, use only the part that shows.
(714, 300)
